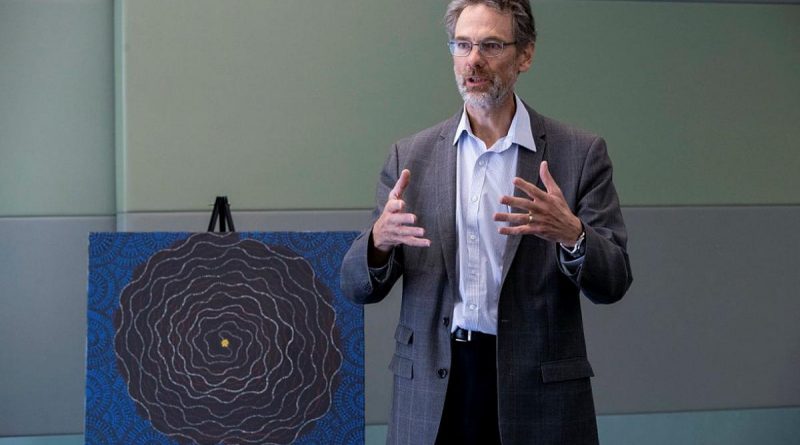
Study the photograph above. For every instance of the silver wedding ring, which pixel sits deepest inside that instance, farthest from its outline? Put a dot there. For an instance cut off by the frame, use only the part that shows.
(530, 218)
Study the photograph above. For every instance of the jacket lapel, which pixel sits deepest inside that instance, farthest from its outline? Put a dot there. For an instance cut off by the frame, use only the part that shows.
(446, 162)
(527, 169)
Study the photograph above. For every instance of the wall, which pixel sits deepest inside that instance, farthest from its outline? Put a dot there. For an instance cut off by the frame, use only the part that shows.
(289, 109)
(56, 185)
(697, 100)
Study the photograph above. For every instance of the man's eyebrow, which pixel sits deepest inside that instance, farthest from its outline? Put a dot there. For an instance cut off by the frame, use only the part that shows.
(481, 40)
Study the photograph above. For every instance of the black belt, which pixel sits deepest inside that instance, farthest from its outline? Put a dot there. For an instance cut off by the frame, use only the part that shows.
(465, 335)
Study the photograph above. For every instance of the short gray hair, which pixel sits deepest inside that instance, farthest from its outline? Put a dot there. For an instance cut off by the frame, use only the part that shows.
(523, 24)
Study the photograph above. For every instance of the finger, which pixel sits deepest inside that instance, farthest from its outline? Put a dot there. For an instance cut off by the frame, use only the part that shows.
(517, 203)
(517, 230)
(502, 217)
(415, 242)
(410, 231)
(547, 179)
(529, 189)
(517, 219)
(395, 206)
(400, 185)
(400, 219)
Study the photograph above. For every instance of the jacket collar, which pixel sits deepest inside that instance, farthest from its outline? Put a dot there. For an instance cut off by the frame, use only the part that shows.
(445, 158)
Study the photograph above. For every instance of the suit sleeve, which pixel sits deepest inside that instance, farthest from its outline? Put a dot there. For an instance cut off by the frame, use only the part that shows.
(359, 282)
(605, 273)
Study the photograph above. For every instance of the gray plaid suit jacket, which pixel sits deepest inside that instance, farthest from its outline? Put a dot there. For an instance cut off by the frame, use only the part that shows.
(544, 392)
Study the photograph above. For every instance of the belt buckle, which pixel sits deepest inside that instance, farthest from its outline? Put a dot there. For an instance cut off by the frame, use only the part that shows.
(469, 336)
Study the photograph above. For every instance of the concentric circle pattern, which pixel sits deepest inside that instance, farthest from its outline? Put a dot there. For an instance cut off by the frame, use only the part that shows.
(228, 340)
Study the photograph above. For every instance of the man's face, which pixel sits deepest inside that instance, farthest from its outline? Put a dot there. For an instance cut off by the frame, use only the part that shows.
(486, 82)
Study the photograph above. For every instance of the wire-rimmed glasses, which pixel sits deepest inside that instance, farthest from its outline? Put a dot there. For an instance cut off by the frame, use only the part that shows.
(489, 48)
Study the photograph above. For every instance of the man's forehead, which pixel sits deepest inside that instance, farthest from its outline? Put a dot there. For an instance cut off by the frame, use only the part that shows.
(482, 21)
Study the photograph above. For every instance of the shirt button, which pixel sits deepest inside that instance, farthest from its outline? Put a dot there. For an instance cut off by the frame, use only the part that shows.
(472, 237)
(475, 199)
(473, 306)
(481, 162)
(442, 373)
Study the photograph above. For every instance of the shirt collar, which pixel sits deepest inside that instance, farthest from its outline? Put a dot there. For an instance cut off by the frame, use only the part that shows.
(519, 132)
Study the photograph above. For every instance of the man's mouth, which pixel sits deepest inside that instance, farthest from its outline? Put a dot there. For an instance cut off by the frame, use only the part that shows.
(476, 81)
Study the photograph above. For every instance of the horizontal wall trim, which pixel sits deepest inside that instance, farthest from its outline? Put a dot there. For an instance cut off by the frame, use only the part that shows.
(754, 2)
(194, 214)
(268, 220)
(773, 426)
(12, 218)
(65, 439)
(768, 426)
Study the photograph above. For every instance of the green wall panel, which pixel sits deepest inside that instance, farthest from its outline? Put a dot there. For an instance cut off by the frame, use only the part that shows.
(293, 105)
(699, 102)
(280, 105)
(56, 108)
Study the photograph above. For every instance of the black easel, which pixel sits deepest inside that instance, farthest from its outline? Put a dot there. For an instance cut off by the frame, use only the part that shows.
(222, 210)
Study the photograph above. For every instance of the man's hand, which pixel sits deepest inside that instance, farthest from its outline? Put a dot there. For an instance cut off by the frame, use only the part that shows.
(395, 227)
(548, 217)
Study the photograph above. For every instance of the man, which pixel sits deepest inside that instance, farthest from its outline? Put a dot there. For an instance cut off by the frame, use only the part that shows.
(496, 218)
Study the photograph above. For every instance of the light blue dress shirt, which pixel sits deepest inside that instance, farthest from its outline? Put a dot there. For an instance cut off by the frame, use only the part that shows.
(484, 175)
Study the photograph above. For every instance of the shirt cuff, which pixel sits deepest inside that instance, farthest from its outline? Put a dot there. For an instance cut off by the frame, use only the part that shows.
(572, 262)
(381, 274)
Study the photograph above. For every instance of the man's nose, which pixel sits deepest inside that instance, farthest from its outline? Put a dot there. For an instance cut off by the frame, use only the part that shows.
(475, 58)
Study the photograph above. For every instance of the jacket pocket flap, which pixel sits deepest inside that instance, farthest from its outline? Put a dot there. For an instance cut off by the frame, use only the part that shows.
(569, 369)
(402, 367)
(403, 334)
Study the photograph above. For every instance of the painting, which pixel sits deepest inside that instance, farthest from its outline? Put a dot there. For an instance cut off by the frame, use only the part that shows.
(236, 338)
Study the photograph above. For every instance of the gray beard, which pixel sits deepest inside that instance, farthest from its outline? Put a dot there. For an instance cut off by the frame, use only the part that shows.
(487, 100)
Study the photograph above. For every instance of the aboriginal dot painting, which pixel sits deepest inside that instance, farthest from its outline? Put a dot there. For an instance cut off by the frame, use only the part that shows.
(241, 338)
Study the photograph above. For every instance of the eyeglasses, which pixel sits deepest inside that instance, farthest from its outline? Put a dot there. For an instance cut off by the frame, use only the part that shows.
(489, 48)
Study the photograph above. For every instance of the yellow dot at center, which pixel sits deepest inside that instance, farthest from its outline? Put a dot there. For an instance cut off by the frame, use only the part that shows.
(225, 343)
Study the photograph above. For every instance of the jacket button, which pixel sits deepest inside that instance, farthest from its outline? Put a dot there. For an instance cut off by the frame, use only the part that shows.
(442, 373)
(446, 321)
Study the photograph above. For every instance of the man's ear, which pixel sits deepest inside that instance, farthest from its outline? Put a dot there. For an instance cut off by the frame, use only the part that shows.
(525, 57)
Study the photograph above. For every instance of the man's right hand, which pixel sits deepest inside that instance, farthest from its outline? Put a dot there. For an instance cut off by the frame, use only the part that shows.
(395, 226)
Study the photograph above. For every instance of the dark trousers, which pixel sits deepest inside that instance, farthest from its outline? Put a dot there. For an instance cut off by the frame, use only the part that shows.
(470, 407)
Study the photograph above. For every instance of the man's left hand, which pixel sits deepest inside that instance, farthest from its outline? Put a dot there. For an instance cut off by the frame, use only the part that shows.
(548, 215)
